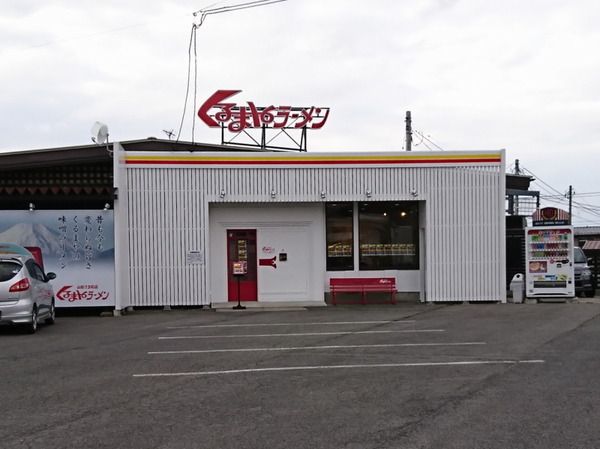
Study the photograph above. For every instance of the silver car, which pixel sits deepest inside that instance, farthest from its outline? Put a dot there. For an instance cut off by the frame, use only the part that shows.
(26, 296)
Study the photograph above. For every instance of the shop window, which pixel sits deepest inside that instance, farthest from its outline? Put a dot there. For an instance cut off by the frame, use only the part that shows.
(339, 230)
(389, 235)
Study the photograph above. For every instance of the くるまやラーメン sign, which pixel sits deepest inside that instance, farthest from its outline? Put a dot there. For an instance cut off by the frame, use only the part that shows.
(216, 113)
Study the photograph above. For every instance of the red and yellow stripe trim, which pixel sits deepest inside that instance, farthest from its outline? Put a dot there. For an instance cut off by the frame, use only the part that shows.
(311, 160)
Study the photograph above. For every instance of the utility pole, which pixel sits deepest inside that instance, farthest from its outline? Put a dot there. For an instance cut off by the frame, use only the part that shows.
(516, 197)
(408, 131)
(570, 204)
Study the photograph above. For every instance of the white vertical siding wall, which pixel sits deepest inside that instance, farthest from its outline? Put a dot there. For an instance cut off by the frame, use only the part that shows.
(465, 259)
(166, 219)
(168, 215)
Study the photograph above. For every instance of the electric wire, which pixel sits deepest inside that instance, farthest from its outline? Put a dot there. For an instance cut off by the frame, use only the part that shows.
(187, 87)
(98, 33)
(422, 142)
(192, 49)
(588, 194)
(579, 209)
(239, 6)
(201, 16)
(195, 86)
(427, 138)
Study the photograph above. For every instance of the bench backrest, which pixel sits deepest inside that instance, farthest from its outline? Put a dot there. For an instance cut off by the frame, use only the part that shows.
(384, 283)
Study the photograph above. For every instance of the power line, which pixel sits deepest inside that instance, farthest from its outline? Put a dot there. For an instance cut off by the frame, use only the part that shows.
(563, 201)
(427, 138)
(223, 9)
(537, 178)
(588, 194)
(202, 14)
(594, 210)
(206, 12)
(555, 197)
(91, 35)
(187, 87)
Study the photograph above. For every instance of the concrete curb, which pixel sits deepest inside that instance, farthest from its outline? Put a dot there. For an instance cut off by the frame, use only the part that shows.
(260, 309)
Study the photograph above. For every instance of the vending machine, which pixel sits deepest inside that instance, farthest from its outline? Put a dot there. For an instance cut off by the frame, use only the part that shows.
(549, 262)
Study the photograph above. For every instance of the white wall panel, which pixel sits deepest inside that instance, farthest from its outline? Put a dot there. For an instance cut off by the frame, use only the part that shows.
(168, 215)
(465, 251)
(166, 221)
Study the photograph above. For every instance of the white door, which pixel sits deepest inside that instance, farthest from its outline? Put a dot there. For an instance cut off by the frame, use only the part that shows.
(284, 270)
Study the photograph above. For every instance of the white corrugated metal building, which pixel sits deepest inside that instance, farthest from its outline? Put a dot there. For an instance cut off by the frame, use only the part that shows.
(433, 221)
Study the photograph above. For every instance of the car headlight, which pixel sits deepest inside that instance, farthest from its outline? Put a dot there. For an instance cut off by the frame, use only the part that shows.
(586, 273)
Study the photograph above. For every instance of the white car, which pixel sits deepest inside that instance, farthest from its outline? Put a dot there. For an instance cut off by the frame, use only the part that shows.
(26, 295)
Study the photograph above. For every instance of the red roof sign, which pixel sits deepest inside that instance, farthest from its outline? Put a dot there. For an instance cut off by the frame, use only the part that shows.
(216, 113)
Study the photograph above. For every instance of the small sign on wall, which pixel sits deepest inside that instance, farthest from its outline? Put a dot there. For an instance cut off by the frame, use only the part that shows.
(239, 268)
(194, 258)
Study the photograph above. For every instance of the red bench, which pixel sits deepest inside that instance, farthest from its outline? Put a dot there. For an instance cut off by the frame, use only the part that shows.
(362, 286)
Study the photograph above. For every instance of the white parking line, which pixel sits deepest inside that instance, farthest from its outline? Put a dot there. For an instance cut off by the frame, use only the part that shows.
(331, 323)
(304, 334)
(299, 348)
(328, 367)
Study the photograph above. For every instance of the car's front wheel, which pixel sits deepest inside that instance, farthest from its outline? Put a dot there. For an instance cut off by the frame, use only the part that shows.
(590, 293)
(52, 318)
(32, 326)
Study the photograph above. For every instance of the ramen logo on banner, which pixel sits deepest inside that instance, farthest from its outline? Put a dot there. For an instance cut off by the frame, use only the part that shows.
(215, 112)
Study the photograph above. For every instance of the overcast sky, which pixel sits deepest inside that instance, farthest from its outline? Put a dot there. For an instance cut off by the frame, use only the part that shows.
(475, 74)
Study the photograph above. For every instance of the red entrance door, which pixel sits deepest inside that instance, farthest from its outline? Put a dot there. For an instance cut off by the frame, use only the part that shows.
(241, 247)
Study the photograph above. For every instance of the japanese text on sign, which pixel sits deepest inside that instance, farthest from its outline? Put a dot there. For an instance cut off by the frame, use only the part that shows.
(79, 240)
(85, 293)
(215, 112)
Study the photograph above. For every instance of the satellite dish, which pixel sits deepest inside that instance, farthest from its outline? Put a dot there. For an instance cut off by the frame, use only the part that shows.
(99, 133)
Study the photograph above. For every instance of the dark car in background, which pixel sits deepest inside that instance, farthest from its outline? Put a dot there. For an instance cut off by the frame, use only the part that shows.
(584, 281)
(26, 295)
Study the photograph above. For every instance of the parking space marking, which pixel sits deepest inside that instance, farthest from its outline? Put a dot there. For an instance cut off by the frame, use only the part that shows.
(301, 334)
(299, 348)
(328, 367)
(330, 323)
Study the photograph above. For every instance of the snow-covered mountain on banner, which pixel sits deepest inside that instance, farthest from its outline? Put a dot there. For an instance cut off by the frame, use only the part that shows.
(29, 234)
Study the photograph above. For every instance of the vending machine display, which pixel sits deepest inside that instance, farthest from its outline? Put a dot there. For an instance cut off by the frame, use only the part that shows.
(549, 262)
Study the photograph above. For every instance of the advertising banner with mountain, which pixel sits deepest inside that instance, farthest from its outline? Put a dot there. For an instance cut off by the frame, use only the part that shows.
(77, 245)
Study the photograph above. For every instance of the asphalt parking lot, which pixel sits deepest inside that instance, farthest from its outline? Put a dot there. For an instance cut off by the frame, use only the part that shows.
(404, 376)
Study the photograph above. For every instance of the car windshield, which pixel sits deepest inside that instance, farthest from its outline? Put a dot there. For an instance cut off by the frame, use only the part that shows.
(8, 270)
(579, 256)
